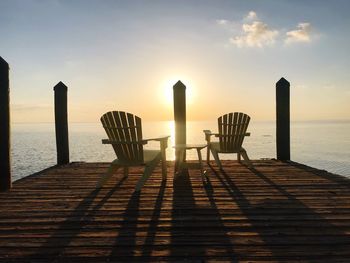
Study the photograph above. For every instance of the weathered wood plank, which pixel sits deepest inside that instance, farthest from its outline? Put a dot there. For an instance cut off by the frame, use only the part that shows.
(275, 212)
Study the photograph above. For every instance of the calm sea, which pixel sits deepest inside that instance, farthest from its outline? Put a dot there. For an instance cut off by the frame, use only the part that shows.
(325, 145)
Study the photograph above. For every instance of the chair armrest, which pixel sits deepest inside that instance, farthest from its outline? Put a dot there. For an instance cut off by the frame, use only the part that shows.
(162, 139)
(108, 141)
(226, 135)
(163, 145)
(208, 133)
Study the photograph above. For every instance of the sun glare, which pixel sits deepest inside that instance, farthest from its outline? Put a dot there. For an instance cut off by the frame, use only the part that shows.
(167, 90)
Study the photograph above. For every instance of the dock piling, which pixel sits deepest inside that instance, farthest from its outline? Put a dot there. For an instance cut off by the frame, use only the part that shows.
(61, 123)
(179, 90)
(5, 143)
(283, 120)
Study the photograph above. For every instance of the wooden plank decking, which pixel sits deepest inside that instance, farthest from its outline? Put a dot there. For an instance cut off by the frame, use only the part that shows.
(279, 211)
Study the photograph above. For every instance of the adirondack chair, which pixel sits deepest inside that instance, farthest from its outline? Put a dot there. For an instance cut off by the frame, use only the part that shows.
(232, 130)
(125, 135)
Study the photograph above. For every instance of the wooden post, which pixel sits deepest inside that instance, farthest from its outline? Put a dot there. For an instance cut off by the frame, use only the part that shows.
(282, 120)
(5, 146)
(61, 123)
(179, 90)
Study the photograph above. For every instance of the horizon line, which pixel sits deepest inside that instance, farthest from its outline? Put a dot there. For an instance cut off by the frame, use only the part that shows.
(313, 120)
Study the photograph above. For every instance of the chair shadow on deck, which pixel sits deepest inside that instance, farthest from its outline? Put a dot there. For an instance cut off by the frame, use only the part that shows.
(127, 244)
(152, 228)
(288, 228)
(82, 215)
(126, 240)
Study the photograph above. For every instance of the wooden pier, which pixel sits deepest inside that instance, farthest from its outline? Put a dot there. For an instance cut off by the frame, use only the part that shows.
(278, 211)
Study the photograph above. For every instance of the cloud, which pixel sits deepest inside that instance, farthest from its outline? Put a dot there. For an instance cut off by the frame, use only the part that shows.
(301, 86)
(301, 34)
(30, 107)
(251, 16)
(256, 34)
(253, 32)
(222, 22)
(328, 86)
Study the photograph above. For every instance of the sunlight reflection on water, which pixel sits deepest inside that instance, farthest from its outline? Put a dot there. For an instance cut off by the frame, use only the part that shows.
(325, 145)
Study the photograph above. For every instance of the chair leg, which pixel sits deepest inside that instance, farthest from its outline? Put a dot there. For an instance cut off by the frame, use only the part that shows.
(239, 157)
(164, 168)
(148, 171)
(208, 153)
(163, 145)
(111, 169)
(216, 157)
(126, 171)
(246, 159)
(201, 163)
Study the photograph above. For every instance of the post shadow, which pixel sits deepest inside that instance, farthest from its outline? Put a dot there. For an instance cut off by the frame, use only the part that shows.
(183, 206)
(192, 225)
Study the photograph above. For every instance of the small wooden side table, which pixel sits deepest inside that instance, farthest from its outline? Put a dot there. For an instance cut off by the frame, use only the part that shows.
(181, 163)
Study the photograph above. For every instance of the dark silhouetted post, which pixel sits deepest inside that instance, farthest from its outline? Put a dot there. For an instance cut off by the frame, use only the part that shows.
(282, 120)
(180, 115)
(61, 123)
(5, 146)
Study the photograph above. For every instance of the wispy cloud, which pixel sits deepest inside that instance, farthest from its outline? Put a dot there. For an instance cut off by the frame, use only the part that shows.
(301, 34)
(256, 34)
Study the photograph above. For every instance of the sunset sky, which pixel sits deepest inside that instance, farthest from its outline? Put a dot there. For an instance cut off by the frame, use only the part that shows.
(126, 55)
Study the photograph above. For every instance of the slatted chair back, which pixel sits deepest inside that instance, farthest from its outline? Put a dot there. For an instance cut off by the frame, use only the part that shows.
(125, 130)
(232, 129)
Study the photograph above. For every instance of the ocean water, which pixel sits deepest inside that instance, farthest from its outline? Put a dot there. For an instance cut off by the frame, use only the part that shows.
(325, 145)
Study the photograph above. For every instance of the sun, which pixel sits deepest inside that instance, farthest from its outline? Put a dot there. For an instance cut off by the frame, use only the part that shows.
(167, 90)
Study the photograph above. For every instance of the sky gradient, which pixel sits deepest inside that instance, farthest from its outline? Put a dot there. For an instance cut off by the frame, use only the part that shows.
(126, 55)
